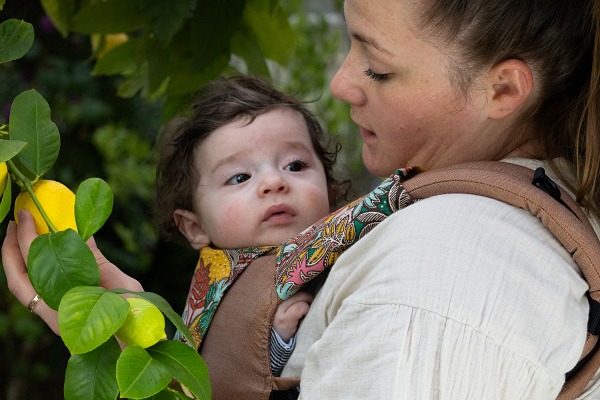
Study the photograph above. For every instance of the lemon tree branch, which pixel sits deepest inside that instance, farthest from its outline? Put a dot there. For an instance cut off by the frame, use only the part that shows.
(24, 182)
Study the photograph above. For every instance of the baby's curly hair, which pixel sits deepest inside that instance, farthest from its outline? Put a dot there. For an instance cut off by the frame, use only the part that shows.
(220, 102)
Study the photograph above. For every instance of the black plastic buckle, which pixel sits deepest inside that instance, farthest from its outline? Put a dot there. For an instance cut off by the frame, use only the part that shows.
(543, 182)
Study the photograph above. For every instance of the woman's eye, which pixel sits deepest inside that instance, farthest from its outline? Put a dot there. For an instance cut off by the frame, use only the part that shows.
(237, 179)
(375, 76)
(295, 166)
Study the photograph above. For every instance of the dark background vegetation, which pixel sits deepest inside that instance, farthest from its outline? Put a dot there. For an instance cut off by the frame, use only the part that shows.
(112, 137)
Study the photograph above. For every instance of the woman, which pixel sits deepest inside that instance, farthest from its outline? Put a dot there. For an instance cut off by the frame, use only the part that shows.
(457, 296)
(460, 297)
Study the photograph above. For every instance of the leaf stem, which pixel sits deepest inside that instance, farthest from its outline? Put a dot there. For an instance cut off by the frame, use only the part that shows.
(26, 183)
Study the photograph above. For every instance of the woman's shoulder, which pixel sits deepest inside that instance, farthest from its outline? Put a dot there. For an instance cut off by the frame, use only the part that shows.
(486, 264)
(463, 227)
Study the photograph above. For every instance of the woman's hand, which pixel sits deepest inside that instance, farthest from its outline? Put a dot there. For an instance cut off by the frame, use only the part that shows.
(14, 255)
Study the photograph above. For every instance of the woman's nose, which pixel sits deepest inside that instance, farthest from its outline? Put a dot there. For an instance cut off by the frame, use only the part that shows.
(273, 183)
(345, 83)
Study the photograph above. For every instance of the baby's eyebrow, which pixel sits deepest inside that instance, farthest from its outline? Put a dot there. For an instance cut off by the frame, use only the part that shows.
(297, 146)
(225, 161)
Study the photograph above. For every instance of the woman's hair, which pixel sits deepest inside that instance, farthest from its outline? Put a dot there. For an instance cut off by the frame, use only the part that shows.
(560, 41)
(221, 102)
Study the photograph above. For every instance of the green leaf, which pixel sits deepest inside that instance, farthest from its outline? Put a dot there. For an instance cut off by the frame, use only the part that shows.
(166, 309)
(10, 148)
(58, 262)
(16, 38)
(172, 106)
(139, 375)
(185, 364)
(273, 4)
(158, 67)
(60, 13)
(93, 205)
(272, 30)
(108, 16)
(166, 21)
(219, 20)
(118, 60)
(185, 79)
(131, 86)
(92, 375)
(30, 122)
(244, 44)
(6, 199)
(2, 4)
(88, 316)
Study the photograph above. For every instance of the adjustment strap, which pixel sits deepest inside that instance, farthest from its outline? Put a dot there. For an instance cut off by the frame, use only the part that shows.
(594, 319)
(290, 394)
(593, 330)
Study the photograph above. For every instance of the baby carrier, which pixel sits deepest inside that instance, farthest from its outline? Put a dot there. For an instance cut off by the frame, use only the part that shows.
(236, 347)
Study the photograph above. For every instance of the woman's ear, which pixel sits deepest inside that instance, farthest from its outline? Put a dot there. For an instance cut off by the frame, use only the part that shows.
(510, 84)
(190, 227)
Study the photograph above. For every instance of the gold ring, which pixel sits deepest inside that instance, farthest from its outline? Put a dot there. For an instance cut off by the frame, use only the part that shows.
(34, 302)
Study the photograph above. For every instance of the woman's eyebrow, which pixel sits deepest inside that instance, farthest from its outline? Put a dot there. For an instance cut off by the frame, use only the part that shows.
(369, 42)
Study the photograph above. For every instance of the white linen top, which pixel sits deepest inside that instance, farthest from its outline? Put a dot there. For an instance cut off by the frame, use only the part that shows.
(454, 297)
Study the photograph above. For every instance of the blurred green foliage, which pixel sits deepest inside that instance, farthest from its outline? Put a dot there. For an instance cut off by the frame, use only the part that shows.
(109, 111)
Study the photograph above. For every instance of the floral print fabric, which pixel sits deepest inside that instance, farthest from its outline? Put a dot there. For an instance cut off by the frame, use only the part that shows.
(304, 257)
(215, 272)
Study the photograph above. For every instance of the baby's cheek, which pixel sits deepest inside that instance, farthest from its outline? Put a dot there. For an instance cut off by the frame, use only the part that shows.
(317, 202)
(232, 222)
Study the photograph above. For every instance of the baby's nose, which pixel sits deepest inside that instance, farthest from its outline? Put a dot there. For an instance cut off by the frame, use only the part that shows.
(273, 183)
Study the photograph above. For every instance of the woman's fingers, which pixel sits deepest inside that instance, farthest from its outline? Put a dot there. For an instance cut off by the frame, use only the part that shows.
(15, 268)
(26, 232)
(13, 259)
(111, 277)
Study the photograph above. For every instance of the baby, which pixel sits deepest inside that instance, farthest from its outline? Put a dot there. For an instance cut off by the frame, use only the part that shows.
(248, 168)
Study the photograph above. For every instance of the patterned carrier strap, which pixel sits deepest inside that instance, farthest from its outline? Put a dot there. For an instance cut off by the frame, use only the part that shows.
(304, 257)
(214, 274)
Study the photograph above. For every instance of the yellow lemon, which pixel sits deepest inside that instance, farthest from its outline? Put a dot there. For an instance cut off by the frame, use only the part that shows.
(111, 40)
(57, 200)
(3, 177)
(144, 326)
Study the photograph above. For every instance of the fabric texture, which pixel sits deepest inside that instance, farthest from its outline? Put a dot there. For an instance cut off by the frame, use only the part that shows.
(280, 352)
(304, 257)
(455, 297)
(238, 354)
(215, 271)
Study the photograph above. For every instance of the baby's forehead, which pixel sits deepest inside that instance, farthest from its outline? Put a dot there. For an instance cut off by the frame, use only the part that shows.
(279, 130)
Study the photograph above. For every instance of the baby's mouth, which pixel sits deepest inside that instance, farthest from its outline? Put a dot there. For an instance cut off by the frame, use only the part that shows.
(279, 214)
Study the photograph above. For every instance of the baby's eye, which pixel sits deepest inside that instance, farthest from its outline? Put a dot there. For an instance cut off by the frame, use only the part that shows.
(237, 179)
(296, 166)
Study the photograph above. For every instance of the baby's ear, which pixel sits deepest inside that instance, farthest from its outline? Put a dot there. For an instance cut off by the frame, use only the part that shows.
(190, 227)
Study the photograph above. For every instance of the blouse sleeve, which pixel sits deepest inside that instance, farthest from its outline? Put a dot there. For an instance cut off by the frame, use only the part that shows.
(455, 297)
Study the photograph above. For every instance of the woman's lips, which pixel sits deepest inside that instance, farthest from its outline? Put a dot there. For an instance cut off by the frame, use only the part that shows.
(367, 135)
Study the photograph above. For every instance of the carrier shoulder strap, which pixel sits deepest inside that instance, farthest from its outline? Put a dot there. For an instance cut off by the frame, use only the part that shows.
(237, 353)
(559, 213)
